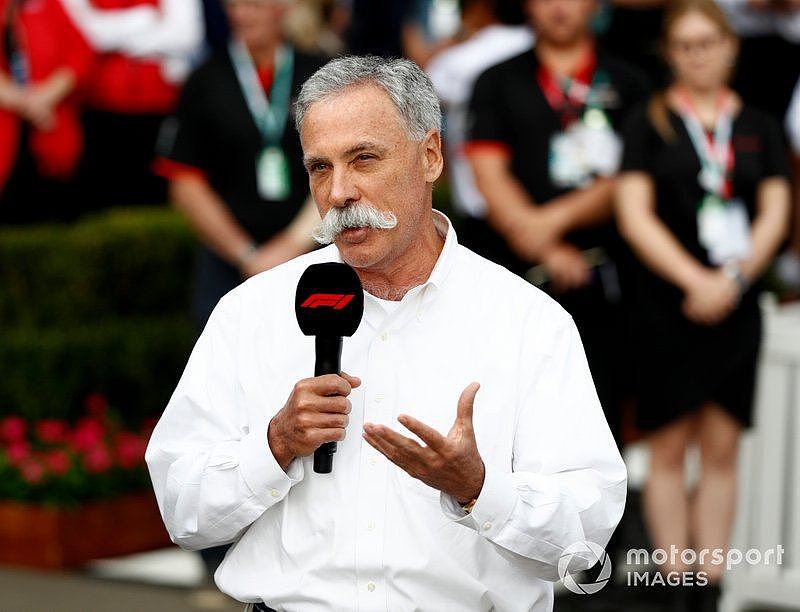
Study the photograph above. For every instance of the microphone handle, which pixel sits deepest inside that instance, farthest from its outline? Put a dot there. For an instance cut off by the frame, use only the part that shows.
(328, 361)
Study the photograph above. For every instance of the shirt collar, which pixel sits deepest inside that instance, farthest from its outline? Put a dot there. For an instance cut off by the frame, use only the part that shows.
(438, 275)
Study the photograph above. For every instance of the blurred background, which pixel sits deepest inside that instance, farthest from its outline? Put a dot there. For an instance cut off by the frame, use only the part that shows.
(131, 201)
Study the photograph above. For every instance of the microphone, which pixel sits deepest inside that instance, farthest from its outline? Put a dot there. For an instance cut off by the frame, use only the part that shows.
(329, 305)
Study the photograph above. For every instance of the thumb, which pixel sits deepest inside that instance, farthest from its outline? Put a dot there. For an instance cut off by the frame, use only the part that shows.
(354, 381)
(466, 402)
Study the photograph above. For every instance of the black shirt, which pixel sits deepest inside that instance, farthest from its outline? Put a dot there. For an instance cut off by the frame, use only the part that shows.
(508, 107)
(673, 165)
(214, 132)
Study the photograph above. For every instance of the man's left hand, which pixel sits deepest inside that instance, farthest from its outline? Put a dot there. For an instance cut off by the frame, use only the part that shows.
(450, 464)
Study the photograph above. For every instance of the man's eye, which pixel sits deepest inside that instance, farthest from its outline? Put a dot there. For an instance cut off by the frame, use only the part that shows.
(318, 167)
(365, 157)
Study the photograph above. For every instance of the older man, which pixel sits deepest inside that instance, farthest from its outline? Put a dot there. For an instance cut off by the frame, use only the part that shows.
(443, 496)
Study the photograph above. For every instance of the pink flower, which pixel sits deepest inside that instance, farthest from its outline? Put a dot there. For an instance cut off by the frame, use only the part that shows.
(88, 434)
(13, 429)
(96, 404)
(57, 461)
(51, 431)
(32, 471)
(97, 460)
(18, 452)
(129, 449)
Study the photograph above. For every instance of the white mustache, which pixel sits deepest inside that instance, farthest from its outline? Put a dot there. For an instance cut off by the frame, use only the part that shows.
(360, 214)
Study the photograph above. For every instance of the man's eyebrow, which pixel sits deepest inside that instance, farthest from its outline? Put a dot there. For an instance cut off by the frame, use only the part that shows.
(310, 162)
(365, 145)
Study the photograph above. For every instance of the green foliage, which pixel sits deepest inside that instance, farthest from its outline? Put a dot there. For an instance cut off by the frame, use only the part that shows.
(99, 306)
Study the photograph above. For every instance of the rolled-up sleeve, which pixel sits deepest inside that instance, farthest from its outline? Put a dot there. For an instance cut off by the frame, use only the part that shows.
(568, 482)
(213, 472)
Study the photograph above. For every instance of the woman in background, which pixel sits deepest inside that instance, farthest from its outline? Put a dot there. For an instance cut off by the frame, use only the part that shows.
(703, 201)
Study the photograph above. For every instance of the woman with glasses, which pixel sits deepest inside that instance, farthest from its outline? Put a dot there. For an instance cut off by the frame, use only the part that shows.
(703, 201)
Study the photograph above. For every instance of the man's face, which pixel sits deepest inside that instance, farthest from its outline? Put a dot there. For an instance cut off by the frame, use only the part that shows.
(357, 150)
(256, 22)
(561, 22)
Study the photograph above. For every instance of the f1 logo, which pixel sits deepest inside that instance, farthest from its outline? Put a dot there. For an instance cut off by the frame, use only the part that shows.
(337, 301)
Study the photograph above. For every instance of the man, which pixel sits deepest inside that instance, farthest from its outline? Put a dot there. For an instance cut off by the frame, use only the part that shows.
(476, 516)
(496, 33)
(544, 148)
(232, 159)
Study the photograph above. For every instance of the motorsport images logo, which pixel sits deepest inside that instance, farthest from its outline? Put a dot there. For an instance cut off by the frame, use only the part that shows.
(585, 552)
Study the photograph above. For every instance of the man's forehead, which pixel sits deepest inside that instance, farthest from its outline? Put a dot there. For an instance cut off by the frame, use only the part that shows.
(359, 114)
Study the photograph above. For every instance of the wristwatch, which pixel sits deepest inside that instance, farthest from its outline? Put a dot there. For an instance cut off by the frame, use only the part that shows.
(734, 272)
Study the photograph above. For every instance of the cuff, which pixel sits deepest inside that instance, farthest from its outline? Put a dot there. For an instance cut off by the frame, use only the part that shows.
(497, 147)
(261, 471)
(171, 170)
(493, 509)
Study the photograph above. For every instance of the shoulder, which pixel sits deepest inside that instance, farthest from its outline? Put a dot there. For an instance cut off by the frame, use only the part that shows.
(503, 296)
(206, 76)
(628, 77)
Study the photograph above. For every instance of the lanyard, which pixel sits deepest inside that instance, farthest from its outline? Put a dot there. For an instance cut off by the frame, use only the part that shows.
(270, 114)
(567, 96)
(714, 150)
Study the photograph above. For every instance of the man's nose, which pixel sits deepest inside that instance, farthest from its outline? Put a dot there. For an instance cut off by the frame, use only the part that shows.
(343, 189)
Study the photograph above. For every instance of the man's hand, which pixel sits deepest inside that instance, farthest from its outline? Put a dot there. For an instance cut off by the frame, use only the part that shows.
(450, 464)
(38, 106)
(315, 413)
(567, 267)
(276, 251)
(534, 232)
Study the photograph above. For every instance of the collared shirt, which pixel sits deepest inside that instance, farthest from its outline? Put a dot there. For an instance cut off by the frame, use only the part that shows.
(368, 536)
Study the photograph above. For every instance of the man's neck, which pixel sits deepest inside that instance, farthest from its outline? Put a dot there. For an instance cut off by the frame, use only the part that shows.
(411, 269)
(564, 59)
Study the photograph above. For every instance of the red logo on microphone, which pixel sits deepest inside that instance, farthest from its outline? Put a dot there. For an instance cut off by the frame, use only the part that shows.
(337, 301)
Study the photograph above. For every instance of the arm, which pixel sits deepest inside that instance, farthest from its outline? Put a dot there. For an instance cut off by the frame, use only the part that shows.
(651, 240)
(210, 218)
(11, 95)
(530, 230)
(567, 482)
(769, 227)
(213, 472)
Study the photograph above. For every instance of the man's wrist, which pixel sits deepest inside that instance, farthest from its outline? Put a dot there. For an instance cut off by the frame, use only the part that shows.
(278, 450)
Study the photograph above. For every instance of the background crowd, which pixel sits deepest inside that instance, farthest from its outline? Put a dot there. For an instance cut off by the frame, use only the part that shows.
(639, 160)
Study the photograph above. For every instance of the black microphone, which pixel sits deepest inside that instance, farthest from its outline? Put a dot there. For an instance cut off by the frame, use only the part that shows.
(329, 305)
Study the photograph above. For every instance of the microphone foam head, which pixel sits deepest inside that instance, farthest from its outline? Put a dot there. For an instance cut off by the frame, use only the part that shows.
(329, 300)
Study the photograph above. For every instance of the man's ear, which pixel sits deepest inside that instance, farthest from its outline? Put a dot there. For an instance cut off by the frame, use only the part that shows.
(432, 156)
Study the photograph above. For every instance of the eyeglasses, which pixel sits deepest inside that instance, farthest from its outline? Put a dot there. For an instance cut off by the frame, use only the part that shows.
(701, 45)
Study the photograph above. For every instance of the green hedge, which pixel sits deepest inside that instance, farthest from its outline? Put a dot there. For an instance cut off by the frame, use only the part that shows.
(120, 263)
(99, 306)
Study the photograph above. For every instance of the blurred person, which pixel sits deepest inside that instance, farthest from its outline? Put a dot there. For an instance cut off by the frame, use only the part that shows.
(496, 32)
(633, 33)
(544, 148)
(317, 26)
(703, 200)
(376, 27)
(233, 162)
(430, 27)
(475, 519)
(769, 58)
(44, 66)
(144, 52)
(787, 266)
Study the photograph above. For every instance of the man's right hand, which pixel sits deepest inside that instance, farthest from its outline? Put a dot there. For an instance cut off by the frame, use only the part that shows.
(316, 412)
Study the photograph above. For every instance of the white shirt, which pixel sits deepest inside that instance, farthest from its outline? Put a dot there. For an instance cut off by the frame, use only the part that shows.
(453, 73)
(749, 21)
(369, 537)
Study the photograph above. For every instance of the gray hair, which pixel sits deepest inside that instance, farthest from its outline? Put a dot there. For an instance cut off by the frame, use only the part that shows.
(405, 83)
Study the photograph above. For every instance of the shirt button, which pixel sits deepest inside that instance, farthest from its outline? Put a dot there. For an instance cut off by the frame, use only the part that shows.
(384, 336)
(370, 586)
(274, 493)
(370, 526)
(487, 526)
(373, 460)
(379, 398)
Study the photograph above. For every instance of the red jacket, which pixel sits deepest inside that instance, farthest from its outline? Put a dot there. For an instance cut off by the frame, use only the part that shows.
(127, 85)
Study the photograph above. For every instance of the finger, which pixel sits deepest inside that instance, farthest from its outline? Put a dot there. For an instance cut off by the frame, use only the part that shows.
(427, 434)
(332, 434)
(334, 403)
(354, 381)
(466, 403)
(331, 421)
(330, 384)
(392, 453)
(393, 440)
